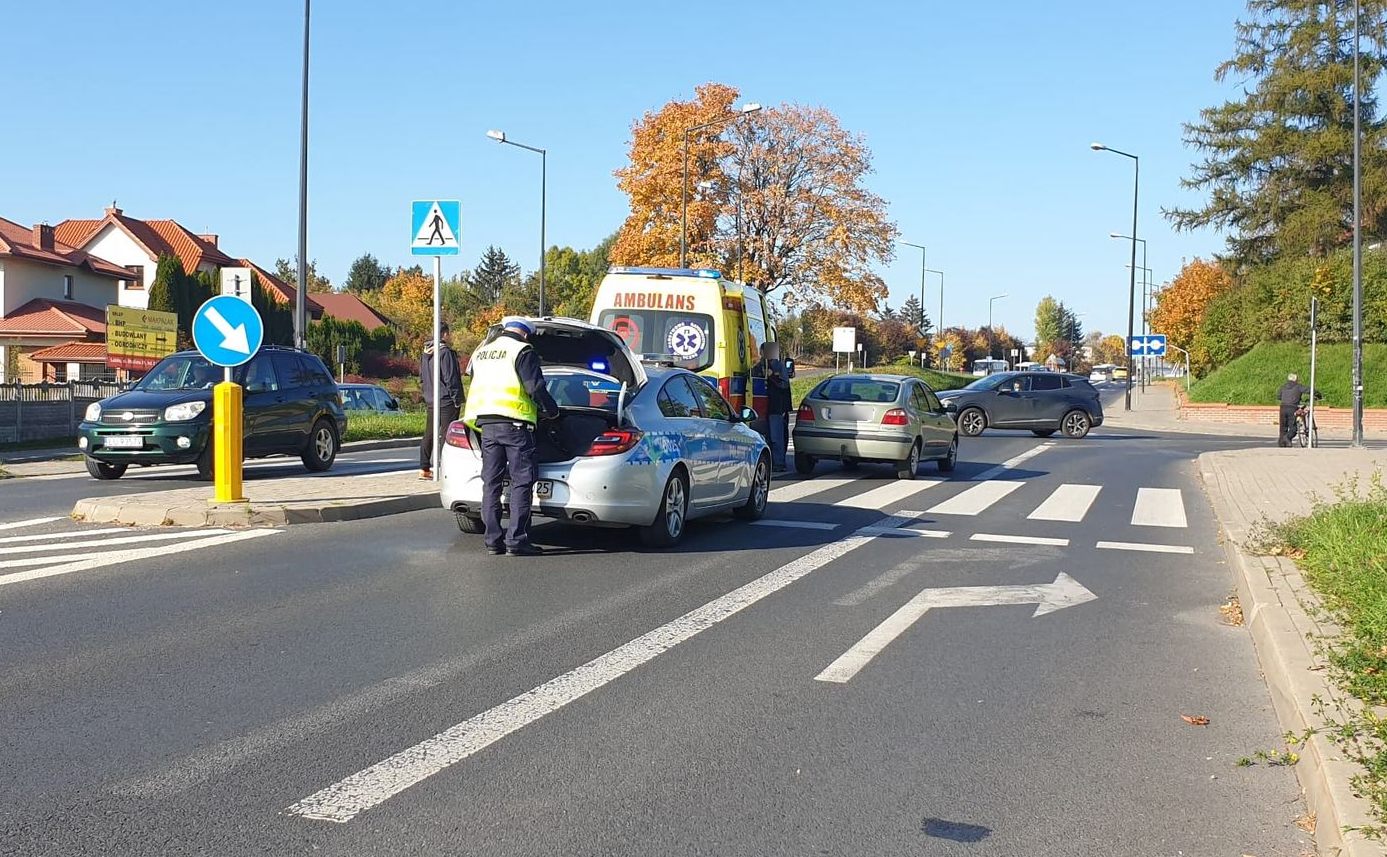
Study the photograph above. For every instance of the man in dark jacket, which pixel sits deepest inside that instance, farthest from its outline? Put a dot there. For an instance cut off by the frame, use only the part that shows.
(450, 402)
(777, 404)
(1289, 397)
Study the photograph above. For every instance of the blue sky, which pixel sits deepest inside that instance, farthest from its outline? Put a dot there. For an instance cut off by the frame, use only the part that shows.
(979, 117)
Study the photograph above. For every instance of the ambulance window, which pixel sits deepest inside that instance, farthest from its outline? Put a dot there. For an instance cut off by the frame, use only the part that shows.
(684, 339)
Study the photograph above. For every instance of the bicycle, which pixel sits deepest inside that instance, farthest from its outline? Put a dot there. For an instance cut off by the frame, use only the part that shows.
(1303, 428)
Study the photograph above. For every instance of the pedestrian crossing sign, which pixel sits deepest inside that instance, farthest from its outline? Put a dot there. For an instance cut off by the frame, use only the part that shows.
(436, 225)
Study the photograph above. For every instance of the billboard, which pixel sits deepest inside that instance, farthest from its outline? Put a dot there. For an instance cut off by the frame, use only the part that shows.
(139, 338)
(844, 340)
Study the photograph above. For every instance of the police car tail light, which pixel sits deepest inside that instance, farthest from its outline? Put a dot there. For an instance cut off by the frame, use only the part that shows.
(805, 415)
(457, 435)
(894, 417)
(614, 442)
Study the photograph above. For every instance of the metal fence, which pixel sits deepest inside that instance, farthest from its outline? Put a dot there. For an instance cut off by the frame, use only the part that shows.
(38, 412)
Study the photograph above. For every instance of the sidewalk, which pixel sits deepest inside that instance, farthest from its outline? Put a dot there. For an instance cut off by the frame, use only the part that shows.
(1250, 486)
(271, 502)
(1155, 409)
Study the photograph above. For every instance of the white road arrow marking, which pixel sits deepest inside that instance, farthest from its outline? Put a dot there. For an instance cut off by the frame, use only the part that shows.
(233, 338)
(1048, 597)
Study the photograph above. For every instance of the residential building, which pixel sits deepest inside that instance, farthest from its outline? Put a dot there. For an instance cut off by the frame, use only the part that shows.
(345, 306)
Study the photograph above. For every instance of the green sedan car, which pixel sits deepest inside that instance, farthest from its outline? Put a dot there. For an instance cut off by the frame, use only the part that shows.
(888, 418)
(291, 407)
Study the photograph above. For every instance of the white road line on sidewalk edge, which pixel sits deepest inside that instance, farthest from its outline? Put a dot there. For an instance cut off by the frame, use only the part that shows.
(1137, 546)
(344, 800)
(70, 544)
(32, 522)
(1012, 462)
(64, 534)
(1159, 507)
(794, 525)
(1069, 502)
(1018, 540)
(128, 556)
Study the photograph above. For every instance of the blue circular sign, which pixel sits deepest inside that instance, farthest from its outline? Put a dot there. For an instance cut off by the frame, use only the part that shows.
(685, 339)
(228, 331)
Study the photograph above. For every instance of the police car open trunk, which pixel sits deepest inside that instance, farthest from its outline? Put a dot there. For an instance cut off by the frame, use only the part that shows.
(591, 375)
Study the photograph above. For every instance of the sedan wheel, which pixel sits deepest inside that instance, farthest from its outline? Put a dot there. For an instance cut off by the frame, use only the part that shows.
(908, 468)
(972, 421)
(1075, 424)
(947, 463)
(668, 527)
(322, 447)
(760, 492)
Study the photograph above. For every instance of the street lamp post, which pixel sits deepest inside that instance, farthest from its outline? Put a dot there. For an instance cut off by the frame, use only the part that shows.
(300, 296)
(1357, 238)
(500, 137)
(939, 325)
(990, 337)
(921, 248)
(1132, 287)
(1145, 299)
(744, 110)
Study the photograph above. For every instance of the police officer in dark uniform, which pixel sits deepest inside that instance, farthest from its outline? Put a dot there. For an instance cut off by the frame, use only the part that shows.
(507, 399)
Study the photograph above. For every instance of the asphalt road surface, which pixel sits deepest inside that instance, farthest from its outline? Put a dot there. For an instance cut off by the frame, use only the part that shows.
(993, 663)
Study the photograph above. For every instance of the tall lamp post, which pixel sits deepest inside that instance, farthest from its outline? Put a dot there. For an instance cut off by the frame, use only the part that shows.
(1145, 297)
(1132, 287)
(990, 337)
(300, 296)
(1357, 238)
(744, 110)
(939, 325)
(500, 137)
(921, 248)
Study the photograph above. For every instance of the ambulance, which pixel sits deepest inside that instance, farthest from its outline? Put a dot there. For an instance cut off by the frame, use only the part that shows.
(692, 318)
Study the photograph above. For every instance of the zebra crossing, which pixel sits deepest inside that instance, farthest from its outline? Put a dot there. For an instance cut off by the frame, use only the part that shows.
(1152, 509)
(26, 556)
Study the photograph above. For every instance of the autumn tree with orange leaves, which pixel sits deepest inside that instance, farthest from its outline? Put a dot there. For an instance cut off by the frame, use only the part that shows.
(774, 197)
(1180, 307)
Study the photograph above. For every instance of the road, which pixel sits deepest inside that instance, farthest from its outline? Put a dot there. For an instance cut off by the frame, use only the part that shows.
(994, 663)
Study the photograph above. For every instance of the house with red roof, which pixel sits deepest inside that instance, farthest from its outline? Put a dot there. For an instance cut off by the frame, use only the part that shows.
(52, 293)
(345, 306)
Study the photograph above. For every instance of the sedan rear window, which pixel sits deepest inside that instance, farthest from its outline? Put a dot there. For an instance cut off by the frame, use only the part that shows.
(857, 390)
(583, 390)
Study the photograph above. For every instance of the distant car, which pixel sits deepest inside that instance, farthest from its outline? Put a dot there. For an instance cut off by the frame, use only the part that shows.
(1044, 402)
(1119, 374)
(651, 447)
(290, 403)
(890, 418)
(368, 398)
(1096, 377)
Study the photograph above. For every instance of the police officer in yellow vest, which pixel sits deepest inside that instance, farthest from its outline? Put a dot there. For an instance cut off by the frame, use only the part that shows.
(506, 400)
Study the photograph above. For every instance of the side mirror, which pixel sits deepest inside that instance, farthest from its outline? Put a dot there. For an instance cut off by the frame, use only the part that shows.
(747, 415)
(789, 368)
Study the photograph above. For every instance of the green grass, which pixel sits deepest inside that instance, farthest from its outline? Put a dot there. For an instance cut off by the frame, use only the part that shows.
(1252, 379)
(1342, 550)
(384, 426)
(802, 384)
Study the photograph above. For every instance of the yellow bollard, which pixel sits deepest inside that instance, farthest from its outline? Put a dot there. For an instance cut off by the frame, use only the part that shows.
(227, 436)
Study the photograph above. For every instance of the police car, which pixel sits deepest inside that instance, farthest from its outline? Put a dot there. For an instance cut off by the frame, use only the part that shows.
(647, 446)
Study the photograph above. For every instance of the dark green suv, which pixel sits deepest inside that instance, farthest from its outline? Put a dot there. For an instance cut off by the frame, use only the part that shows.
(292, 407)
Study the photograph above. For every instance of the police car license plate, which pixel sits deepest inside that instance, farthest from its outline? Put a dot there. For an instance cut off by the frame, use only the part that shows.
(544, 489)
(123, 442)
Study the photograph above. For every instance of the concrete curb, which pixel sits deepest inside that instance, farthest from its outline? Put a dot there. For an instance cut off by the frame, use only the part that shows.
(387, 443)
(133, 512)
(1274, 598)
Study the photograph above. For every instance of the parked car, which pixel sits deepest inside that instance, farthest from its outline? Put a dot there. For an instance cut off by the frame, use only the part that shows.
(1120, 373)
(291, 407)
(651, 447)
(890, 418)
(368, 398)
(1044, 402)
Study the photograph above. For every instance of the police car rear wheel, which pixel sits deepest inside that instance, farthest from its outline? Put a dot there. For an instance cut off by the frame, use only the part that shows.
(668, 527)
(760, 492)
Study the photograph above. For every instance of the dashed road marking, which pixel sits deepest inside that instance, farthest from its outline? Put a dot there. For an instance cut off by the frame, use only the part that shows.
(886, 495)
(1067, 503)
(794, 525)
(1018, 540)
(1145, 548)
(69, 544)
(977, 499)
(32, 522)
(1159, 507)
(806, 488)
(134, 555)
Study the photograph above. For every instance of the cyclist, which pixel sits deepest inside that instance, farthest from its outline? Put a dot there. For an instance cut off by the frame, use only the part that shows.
(1289, 396)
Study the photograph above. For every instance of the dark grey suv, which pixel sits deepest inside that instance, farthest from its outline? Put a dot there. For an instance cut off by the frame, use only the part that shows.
(1044, 402)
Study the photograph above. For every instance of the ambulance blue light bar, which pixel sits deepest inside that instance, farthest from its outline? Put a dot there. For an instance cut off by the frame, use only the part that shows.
(706, 273)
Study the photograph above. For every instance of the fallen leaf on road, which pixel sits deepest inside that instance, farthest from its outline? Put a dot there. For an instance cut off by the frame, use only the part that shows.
(1306, 822)
(1232, 611)
(1195, 719)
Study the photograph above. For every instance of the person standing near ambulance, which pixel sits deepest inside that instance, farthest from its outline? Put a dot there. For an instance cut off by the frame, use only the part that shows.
(506, 401)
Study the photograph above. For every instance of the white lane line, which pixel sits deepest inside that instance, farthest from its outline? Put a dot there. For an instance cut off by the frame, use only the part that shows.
(32, 522)
(906, 531)
(886, 495)
(805, 488)
(1068, 503)
(97, 543)
(133, 555)
(1018, 540)
(1012, 462)
(1145, 548)
(1159, 507)
(883, 581)
(977, 499)
(65, 534)
(794, 525)
(344, 800)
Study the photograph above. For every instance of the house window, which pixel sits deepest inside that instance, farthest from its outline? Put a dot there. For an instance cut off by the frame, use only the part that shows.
(67, 287)
(60, 373)
(136, 284)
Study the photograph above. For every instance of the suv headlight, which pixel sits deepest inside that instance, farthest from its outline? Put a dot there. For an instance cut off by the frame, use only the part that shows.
(185, 411)
(93, 413)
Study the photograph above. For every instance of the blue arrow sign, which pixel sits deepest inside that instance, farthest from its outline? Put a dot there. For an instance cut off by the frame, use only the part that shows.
(1148, 346)
(228, 331)
(435, 227)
